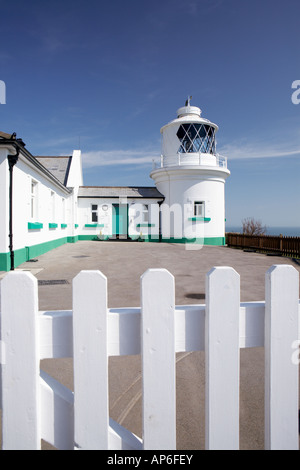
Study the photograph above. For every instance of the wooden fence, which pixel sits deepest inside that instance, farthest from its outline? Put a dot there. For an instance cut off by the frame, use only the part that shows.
(35, 406)
(286, 246)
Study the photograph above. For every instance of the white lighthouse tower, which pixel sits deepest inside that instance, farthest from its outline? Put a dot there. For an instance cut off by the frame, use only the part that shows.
(192, 178)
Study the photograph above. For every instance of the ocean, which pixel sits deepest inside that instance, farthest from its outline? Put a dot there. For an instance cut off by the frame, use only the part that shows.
(285, 231)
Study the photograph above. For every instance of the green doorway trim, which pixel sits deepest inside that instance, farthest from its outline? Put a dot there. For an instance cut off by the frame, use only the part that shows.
(120, 219)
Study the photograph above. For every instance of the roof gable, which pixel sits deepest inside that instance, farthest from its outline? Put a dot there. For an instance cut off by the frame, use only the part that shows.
(58, 166)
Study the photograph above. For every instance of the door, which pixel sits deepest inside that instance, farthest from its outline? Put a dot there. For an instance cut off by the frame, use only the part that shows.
(120, 220)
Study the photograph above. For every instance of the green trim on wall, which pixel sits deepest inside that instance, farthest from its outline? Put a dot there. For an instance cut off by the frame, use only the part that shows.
(72, 239)
(145, 225)
(216, 241)
(76, 225)
(4, 262)
(87, 237)
(202, 219)
(63, 225)
(20, 256)
(34, 225)
(28, 252)
(145, 238)
(94, 225)
(52, 225)
(37, 250)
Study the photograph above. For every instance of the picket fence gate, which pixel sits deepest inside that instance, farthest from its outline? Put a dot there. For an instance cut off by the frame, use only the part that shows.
(36, 407)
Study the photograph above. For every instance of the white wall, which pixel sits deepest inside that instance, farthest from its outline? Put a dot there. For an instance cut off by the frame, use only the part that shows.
(75, 177)
(105, 217)
(135, 216)
(181, 188)
(44, 213)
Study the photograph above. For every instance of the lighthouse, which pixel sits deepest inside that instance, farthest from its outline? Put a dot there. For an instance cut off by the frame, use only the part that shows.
(191, 176)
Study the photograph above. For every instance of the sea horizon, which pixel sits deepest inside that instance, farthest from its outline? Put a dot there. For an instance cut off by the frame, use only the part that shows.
(279, 230)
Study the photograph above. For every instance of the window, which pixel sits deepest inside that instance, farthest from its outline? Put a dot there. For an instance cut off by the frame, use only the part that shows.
(196, 138)
(94, 213)
(33, 203)
(198, 209)
(52, 206)
(63, 209)
(145, 214)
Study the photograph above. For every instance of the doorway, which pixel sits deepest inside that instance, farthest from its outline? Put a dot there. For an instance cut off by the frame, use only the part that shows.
(120, 220)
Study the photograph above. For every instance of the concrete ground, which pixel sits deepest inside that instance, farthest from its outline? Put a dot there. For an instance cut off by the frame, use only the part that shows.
(123, 263)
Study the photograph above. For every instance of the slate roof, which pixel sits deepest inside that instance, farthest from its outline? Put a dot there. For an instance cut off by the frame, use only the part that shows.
(4, 135)
(58, 166)
(120, 191)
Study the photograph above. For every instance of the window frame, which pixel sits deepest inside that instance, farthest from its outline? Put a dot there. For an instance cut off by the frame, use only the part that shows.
(94, 213)
(52, 199)
(145, 214)
(196, 206)
(33, 199)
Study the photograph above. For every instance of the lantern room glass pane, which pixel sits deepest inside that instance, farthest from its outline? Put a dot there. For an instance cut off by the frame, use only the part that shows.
(196, 138)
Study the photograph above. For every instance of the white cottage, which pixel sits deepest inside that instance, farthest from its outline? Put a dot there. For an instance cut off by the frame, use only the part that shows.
(44, 204)
(38, 201)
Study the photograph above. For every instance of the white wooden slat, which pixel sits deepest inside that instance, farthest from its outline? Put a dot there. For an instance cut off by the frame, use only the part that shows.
(56, 329)
(222, 359)
(124, 326)
(120, 438)
(57, 416)
(158, 360)
(281, 374)
(90, 360)
(252, 324)
(190, 328)
(20, 373)
(56, 334)
(57, 413)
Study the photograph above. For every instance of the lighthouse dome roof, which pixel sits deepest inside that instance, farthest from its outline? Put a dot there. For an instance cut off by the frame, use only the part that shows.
(189, 114)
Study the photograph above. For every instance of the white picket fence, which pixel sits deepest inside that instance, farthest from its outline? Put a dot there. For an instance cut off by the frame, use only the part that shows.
(36, 407)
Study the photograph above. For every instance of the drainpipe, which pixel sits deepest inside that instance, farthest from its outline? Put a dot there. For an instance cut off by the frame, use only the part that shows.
(159, 221)
(12, 160)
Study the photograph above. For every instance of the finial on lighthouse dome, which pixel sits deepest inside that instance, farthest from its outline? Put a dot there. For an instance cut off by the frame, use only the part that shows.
(188, 109)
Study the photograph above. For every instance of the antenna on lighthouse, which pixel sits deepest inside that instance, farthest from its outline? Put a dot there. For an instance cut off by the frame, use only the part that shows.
(187, 103)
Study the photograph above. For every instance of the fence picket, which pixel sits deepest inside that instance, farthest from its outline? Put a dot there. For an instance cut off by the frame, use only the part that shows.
(158, 359)
(222, 359)
(20, 373)
(90, 360)
(281, 331)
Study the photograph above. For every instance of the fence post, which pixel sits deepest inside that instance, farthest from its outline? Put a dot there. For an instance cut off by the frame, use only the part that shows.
(20, 371)
(281, 372)
(158, 359)
(90, 361)
(222, 355)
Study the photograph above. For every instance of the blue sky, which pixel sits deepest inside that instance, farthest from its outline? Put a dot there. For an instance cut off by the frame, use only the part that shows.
(106, 76)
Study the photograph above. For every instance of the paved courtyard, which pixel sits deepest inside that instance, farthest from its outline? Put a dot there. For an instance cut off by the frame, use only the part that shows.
(123, 263)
